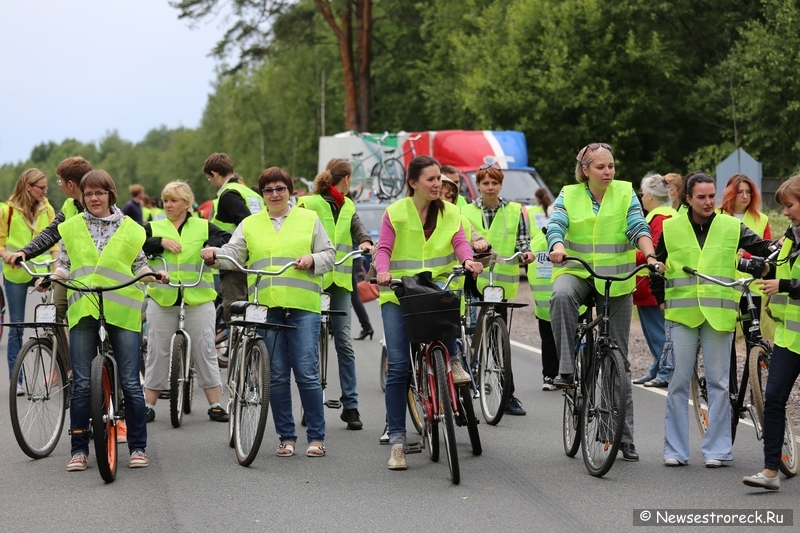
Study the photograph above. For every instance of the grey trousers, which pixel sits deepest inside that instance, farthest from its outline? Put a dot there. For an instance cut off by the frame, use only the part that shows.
(569, 292)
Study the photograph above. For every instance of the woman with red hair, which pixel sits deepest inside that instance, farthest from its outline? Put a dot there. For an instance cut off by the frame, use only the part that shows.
(741, 199)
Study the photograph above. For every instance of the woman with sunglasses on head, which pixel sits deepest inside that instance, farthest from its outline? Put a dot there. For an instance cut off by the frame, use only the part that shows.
(424, 230)
(741, 200)
(25, 215)
(102, 247)
(267, 241)
(700, 312)
(597, 214)
(338, 216)
(504, 225)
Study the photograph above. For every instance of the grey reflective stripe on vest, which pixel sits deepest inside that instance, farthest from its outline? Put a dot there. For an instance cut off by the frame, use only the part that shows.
(615, 270)
(11, 249)
(346, 248)
(780, 299)
(288, 282)
(407, 264)
(440, 261)
(791, 325)
(719, 303)
(345, 269)
(598, 248)
(503, 278)
(544, 287)
(100, 271)
(110, 296)
(542, 303)
(262, 264)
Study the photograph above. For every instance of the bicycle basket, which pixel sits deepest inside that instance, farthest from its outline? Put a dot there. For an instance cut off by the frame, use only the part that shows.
(432, 316)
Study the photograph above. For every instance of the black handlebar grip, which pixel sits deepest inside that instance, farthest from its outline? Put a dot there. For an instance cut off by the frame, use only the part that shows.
(690, 270)
(374, 281)
(157, 275)
(18, 260)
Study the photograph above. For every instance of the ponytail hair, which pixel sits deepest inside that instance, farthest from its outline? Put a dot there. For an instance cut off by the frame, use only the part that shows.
(335, 171)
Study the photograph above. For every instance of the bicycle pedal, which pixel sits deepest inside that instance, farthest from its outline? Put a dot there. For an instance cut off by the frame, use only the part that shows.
(415, 447)
(163, 395)
(79, 431)
(333, 404)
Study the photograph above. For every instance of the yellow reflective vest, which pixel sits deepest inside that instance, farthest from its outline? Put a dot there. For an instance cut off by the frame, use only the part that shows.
(20, 233)
(270, 250)
(184, 266)
(411, 253)
(690, 300)
(340, 235)
(123, 308)
(600, 239)
(784, 309)
(253, 201)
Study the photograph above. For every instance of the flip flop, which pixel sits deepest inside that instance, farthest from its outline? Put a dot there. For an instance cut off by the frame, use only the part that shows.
(285, 446)
(316, 451)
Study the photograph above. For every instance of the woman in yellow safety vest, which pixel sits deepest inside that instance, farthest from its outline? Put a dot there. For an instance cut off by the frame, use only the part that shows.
(741, 200)
(784, 367)
(179, 239)
(267, 241)
(338, 216)
(695, 311)
(101, 247)
(25, 215)
(675, 182)
(418, 233)
(600, 220)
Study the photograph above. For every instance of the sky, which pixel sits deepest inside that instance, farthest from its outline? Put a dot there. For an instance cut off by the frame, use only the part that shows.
(83, 68)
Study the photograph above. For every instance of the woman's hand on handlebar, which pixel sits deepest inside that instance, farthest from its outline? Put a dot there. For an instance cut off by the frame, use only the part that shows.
(304, 262)
(209, 256)
(474, 267)
(526, 258)
(558, 253)
(11, 259)
(480, 245)
(162, 276)
(366, 247)
(384, 278)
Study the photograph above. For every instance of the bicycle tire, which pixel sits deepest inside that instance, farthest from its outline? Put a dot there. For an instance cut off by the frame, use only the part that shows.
(415, 409)
(253, 403)
(698, 392)
(177, 379)
(605, 405)
(465, 399)
(733, 395)
(446, 415)
(573, 405)
(233, 382)
(2, 311)
(322, 363)
(389, 177)
(384, 368)
(495, 370)
(424, 402)
(104, 429)
(38, 418)
(188, 390)
(759, 372)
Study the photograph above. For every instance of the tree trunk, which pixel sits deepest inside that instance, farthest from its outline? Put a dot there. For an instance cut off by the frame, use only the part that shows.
(364, 29)
(344, 36)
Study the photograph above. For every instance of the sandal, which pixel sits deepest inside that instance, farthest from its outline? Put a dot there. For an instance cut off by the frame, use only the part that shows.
(316, 451)
(284, 447)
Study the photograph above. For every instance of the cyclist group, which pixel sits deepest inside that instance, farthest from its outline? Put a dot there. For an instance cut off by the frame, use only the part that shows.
(599, 220)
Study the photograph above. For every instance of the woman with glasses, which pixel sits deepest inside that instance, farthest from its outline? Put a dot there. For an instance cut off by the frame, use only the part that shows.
(338, 216)
(597, 214)
(25, 215)
(102, 246)
(741, 200)
(504, 224)
(179, 239)
(267, 241)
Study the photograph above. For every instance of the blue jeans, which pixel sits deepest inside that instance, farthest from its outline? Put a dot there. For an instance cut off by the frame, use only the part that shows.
(652, 320)
(680, 353)
(16, 297)
(295, 351)
(784, 368)
(83, 339)
(398, 349)
(340, 301)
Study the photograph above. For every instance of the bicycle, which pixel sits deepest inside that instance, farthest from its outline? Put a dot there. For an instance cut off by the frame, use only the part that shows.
(104, 401)
(596, 404)
(249, 370)
(43, 368)
(491, 348)
(2, 310)
(388, 174)
(182, 368)
(324, 337)
(432, 387)
(755, 372)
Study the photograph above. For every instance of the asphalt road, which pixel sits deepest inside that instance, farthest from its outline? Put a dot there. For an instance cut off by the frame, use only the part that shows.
(522, 482)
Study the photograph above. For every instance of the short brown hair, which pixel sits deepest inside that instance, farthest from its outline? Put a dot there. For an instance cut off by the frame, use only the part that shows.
(788, 190)
(73, 169)
(136, 190)
(489, 172)
(275, 175)
(448, 169)
(219, 163)
(101, 180)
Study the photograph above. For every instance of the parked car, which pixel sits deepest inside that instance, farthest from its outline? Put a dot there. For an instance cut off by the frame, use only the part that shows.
(371, 215)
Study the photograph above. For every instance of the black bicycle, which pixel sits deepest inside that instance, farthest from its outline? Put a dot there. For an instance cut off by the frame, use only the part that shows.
(595, 407)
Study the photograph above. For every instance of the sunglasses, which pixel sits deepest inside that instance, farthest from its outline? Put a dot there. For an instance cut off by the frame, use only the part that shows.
(489, 165)
(592, 147)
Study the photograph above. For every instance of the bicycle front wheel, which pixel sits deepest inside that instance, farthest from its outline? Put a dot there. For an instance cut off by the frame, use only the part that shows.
(573, 407)
(384, 367)
(494, 375)
(605, 405)
(37, 417)
(188, 389)
(252, 402)
(323, 355)
(416, 408)
(446, 414)
(177, 379)
(102, 408)
(233, 381)
(389, 177)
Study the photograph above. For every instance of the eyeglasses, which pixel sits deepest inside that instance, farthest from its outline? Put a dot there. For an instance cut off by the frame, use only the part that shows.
(269, 191)
(744, 193)
(41, 187)
(490, 165)
(92, 194)
(592, 147)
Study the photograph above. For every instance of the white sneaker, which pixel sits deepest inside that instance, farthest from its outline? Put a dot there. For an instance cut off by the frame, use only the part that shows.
(20, 391)
(459, 374)
(397, 461)
(762, 481)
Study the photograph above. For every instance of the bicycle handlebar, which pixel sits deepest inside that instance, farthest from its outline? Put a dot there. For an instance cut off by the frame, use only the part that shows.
(179, 284)
(629, 275)
(741, 282)
(458, 271)
(350, 255)
(45, 263)
(283, 269)
(98, 289)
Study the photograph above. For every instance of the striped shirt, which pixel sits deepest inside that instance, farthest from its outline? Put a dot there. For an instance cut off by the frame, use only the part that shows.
(559, 220)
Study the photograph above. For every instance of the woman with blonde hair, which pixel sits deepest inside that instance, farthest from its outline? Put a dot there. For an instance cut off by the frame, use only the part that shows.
(179, 239)
(25, 215)
(675, 182)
